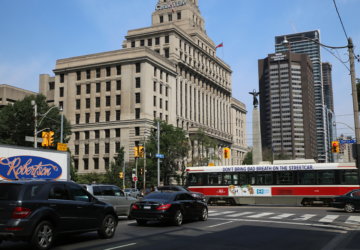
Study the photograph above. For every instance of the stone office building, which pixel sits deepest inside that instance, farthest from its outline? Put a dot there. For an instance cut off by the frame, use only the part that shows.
(167, 71)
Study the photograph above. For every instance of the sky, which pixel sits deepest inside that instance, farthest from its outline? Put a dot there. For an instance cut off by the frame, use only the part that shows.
(36, 33)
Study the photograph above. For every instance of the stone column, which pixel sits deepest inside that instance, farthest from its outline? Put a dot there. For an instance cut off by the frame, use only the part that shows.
(257, 150)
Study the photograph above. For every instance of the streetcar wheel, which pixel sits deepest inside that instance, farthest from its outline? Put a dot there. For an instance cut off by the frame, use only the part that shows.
(349, 208)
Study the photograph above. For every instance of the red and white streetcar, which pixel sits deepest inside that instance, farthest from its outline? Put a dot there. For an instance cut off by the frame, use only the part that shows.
(293, 184)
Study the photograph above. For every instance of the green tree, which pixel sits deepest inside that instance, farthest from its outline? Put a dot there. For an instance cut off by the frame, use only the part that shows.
(17, 121)
(248, 158)
(174, 146)
(207, 145)
(113, 170)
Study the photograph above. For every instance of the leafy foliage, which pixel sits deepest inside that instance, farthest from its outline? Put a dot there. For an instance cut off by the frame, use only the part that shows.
(112, 171)
(248, 158)
(174, 145)
(17, 121)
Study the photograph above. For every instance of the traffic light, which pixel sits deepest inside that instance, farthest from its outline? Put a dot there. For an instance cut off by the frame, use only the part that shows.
(141, 151)
(226, 153)
(45, 139)
(136, 152)
(335, 147)
(141, 171)
(121, 175)
(51, 138)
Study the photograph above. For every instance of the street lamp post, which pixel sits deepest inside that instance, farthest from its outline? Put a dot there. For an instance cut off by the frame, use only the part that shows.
(158, 151)
(37, 124)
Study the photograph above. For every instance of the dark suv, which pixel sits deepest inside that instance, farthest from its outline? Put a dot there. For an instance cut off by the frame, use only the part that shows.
(38, 210)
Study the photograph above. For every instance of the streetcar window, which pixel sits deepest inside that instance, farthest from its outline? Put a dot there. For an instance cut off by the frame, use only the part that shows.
(252, 179)
(307, 178)
(326, 177)
(235, 179)
(349, 177)
(195, 180)
(243, 179)
(264, 179)
(227, 179)
(214, 178)
(285, 178)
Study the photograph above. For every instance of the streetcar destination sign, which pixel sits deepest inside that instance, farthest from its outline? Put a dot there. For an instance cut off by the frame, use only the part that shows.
(267, 168)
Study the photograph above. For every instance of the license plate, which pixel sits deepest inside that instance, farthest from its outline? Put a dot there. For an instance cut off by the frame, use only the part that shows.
(147, 207)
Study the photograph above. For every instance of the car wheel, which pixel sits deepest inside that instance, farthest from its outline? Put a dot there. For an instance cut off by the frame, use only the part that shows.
(349, 208)
(43, 236)
(108, 226)
(178, 219)
(204, 214)
(141, 222)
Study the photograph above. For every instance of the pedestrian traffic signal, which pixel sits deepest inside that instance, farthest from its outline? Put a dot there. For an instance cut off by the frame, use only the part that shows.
(51, 138)
(141, 171)
(335, 147)
(226, 153)
(141, 151)
(121, 175)
(45, 139)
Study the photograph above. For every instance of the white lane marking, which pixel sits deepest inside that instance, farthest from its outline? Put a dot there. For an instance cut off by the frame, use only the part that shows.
(127, 245)
(305, 217)
(221, 224)
(334, 227)
(353, 220)
(329, 218)
(239, 214)
(212, 211)
(281, 216)
(259, 215)
(222, 213)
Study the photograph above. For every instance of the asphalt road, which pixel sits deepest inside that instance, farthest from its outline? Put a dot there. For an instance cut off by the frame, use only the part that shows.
(238, 227)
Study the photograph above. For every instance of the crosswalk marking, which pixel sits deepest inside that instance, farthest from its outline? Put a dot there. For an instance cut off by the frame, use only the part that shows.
(305, 217)
(222, 213)
(329, 218)
(281, 216)
(259, 215)
(353, 220)
(239, 214)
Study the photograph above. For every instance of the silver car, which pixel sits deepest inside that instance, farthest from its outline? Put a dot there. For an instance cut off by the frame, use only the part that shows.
(113, 195)
(133, 192)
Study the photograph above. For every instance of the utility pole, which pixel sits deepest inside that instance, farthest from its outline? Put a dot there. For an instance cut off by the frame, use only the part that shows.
(35, 122)
(62, 125)
(158, 151)
(355, 103)
(136, 169)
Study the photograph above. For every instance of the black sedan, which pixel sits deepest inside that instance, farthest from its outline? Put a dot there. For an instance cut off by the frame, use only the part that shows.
(173, 207)
(196, 195)
(349, 201)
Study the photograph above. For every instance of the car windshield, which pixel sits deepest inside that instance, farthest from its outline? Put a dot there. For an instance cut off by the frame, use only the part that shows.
(160, 196)
(127, 190)
(9, 191)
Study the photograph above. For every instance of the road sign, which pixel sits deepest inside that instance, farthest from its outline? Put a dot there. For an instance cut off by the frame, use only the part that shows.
(31, 138)
(161, 156)
(62, 146)
(347, 141)
(135, 178)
